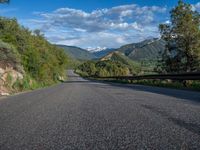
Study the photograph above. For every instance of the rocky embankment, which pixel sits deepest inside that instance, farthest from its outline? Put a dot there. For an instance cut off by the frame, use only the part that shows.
(8, 77)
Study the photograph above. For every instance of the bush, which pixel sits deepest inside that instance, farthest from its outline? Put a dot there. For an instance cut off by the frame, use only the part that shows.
(103, 68)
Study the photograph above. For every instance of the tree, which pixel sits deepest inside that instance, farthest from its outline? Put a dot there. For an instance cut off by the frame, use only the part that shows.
(38, 33)
(182, 36)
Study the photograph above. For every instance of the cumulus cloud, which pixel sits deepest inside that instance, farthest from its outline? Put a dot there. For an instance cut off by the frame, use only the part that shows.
(110, 27)
(105, 39)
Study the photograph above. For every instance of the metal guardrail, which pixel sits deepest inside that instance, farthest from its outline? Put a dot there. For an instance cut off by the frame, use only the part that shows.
(181, 77)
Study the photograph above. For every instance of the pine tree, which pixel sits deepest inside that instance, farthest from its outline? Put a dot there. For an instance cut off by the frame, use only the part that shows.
(182, 36)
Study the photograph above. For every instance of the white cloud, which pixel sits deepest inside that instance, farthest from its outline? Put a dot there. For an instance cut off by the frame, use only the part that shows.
(79, 30)
(109, 27)
(104, 39)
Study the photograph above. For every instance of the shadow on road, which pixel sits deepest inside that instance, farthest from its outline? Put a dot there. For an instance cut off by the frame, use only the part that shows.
(181, 94)
(195, 128)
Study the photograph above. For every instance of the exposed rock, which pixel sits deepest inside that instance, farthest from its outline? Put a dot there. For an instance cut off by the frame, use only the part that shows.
(4, 94)
(61, 78)
(1, 71)
(8, 77)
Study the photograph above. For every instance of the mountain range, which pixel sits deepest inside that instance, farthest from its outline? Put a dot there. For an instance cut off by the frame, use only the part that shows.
(145, 50)
(150, 49)
(83, 54)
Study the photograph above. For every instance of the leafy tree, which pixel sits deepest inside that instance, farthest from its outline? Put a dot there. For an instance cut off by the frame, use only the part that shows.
(182, 36)
(104, 68)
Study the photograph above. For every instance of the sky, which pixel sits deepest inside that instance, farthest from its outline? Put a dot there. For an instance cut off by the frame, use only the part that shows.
(93, 23)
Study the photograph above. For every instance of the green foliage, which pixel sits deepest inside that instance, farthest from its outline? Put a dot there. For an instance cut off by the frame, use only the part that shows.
(194, 85)
(26, 84)
(8, 80)
(148, 67)
(88, 68)
(42, 61)
(73, 63)
(134, 67)
(103, 68)
(182, 52)
(9, 55)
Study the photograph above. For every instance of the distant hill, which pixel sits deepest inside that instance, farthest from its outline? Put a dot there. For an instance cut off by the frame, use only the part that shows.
(117, 56)
(104, 52)
(145, 50)
(78, 53)
(83, 54)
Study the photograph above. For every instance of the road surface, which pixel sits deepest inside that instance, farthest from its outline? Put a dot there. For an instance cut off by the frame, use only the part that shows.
(81, 114)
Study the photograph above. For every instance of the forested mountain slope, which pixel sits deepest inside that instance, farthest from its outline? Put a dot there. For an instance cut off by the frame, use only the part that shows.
(145, 50)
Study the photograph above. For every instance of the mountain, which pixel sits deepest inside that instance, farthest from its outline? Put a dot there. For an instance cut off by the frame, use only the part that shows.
(117, 56)
(146, 50)
(78, 53)
(83, 54)
(104, 52)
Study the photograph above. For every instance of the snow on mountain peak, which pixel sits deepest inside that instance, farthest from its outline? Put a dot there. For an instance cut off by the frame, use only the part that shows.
(97, 49)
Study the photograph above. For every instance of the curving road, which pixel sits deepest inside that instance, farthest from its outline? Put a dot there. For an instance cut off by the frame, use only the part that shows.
(81, 114)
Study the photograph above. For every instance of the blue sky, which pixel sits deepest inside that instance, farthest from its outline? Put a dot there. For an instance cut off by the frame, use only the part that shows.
(93, 23)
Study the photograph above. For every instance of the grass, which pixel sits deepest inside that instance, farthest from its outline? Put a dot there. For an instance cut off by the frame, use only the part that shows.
(192, 85)
(29, 84)
(189, 85)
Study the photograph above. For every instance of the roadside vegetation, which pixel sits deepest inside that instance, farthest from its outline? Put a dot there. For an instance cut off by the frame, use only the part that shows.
(182, 36)
(29, 53)
(102, 69)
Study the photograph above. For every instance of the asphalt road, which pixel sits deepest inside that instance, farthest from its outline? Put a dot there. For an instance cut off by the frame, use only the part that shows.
(81, 114)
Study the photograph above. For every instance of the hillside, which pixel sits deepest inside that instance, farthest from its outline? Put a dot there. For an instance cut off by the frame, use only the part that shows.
(145, 50)
(11, 69)
(120, 57)
(83, 54)
(27, 59)
(78, 53)
(113, 64)
(104, 52)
